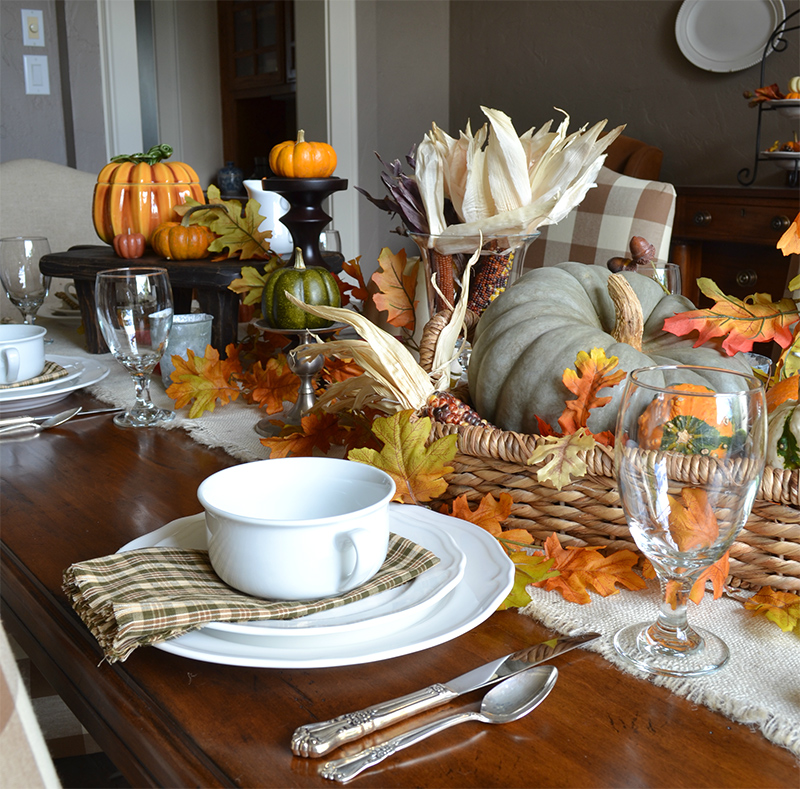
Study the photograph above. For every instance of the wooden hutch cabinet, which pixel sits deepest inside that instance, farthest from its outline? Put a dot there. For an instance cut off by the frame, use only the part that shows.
(257, 70)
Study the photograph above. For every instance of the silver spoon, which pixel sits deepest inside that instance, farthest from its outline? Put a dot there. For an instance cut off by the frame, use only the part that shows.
(36, 427)
(509, 700)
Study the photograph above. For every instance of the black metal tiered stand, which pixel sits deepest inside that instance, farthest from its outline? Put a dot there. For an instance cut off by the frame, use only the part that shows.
(776, 43)
(306, 219)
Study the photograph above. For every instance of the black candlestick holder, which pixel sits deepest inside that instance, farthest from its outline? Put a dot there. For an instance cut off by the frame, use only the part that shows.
(306, 218)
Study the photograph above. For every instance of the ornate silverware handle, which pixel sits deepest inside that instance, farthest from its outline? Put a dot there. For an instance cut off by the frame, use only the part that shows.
(344, 770)
(317, 739)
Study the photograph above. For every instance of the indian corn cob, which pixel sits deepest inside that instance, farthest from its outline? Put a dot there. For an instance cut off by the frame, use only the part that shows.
(447, 408)
(490, 281)
(443, 267)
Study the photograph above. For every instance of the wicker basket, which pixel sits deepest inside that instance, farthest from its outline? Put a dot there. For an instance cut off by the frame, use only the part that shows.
(588, 511)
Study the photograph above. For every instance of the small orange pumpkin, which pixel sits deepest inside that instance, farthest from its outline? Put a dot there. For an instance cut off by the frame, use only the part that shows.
(175, 241)
(793, 95)
(129, 245)
(301, 159)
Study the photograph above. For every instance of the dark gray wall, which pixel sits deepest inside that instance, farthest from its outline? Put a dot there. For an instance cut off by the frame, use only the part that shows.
(615, 59)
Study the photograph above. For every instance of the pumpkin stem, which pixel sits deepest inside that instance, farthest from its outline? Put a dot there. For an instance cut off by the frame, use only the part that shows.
(629, 324)
(299, 263)
(153, 156)
(301, 136)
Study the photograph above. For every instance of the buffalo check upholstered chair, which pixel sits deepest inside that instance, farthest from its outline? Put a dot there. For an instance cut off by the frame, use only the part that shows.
(601, 227)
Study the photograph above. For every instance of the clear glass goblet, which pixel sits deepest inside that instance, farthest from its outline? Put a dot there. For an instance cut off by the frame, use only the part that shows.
(25, 286)
(668, 275)
(134, 310)
(688, 462)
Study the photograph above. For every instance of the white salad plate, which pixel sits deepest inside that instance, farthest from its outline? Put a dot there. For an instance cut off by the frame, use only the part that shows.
(487, 579)
(15, 401)
(388, 611)
(74, 368)
(726, 35)
(788, 108)
(53, 312)
(786, 159)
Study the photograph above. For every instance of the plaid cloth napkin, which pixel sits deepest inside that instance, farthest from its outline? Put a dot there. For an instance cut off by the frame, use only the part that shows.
(51, 372)
(139, 597)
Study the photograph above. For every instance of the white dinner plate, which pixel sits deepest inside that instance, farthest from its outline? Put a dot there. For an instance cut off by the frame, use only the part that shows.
(488, 577)
(381, 613)
(726, 35)
(56, 313)
(93, 372)
(74, 368)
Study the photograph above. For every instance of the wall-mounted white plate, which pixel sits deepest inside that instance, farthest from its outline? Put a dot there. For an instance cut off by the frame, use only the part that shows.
(726, 35)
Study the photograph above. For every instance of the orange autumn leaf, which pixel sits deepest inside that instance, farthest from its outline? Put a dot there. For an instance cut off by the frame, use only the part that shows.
(202, 380)
(581, 569)
(789, 242)
(337, 369)
(782, 608)
(353, 269)
(692, 522)
(318, 431)
(489, 513)
(417, 470)
(594, 372)
(741, 322)
(270, 384)
(397, 282)
(717, 573)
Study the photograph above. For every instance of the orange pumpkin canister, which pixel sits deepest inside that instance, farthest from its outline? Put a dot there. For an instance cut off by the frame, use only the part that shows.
(136, 193)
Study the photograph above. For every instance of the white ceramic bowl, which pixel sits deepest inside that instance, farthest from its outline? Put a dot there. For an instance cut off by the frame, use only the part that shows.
(297, 528)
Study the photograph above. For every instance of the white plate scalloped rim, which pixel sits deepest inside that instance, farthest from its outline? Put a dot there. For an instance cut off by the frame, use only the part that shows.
(726, 35)
(93, 372)
(488, 577)
(394, 608)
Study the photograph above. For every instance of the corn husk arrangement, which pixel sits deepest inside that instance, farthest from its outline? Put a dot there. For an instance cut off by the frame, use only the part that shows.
(503, 184)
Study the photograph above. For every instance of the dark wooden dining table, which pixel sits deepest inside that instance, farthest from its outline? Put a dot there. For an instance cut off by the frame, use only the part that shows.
(88, 487)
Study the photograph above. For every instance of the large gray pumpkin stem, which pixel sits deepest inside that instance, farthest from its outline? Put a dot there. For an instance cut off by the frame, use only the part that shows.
(629, 325)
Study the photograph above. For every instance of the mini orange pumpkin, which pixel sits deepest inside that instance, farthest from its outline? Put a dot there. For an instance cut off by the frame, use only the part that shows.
(301, 159)
(175, 241)
(793, 95)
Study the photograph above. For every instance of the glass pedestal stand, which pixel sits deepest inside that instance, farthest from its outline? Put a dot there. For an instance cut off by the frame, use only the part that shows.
(305, 218)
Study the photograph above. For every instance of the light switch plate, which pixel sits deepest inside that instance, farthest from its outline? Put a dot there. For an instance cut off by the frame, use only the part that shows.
(37, 77)
(32, 28)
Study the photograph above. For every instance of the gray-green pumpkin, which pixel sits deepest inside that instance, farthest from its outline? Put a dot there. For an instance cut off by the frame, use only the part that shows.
(312, 285)
(534, 330)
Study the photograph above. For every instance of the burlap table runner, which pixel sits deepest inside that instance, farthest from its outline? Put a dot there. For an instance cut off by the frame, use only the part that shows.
(147, 595)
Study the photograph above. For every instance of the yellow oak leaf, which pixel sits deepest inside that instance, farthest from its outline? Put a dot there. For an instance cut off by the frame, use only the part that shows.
(418, 470)
(271, 384)
(396, 280)
(581, 569)
(565, 461)
(251, 283)
(528, 569)
(782, 608)
(202, 380)
(593, 371)
(692, 522)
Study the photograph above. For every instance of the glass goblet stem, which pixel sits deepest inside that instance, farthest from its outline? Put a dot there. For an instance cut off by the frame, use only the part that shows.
(671, 629)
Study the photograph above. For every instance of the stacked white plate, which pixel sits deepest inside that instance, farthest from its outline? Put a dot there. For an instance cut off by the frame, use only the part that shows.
(473, 577)
(80, 373)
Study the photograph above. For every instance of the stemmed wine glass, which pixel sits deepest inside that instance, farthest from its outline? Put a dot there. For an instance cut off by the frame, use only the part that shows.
(25, 286)
(688, 461)
(134, 310)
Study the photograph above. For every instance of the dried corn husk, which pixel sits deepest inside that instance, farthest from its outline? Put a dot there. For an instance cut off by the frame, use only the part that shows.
(502, 184)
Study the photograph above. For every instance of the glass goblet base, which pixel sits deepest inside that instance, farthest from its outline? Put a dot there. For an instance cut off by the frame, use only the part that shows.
(144, 417)
(633, 644)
